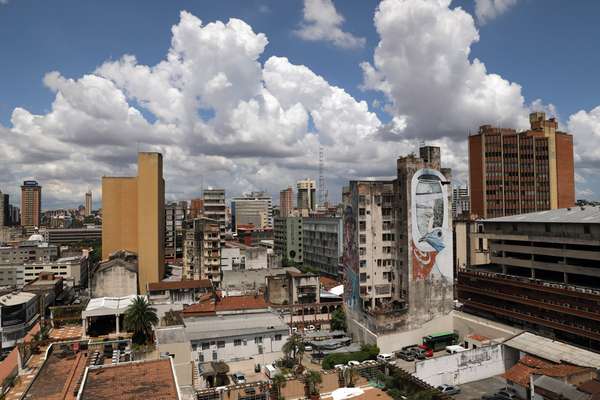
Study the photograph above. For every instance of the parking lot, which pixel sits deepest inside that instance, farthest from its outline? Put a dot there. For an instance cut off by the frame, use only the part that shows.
(474, 390)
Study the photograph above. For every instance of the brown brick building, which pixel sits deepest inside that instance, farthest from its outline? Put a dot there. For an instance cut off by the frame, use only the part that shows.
(514, 172)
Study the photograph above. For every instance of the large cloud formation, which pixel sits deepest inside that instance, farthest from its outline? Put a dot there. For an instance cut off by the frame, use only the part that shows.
(223, 118)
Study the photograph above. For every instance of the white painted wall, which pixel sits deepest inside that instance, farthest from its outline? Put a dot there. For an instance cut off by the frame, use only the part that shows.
(464, 367)
(248, 348)
(389, 343)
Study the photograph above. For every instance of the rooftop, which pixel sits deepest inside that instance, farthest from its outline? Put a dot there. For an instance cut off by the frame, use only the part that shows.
(220, 326)
(573, 215)
(553, 350)
(184, 284)
(12, 299)
(528, 365)
(148, 380)
(225, 304)
(108, 305)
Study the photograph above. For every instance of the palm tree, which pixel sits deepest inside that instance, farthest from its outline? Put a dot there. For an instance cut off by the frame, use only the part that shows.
(350, 375)
(313, 379)
(293, 346)
(139, 318)
(278, 382)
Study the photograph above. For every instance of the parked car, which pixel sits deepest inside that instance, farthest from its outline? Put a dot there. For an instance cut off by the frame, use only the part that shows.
(405, 355)
(419, 353)
(353, 363)
(310, 328)
(340, 367)
(500, 395)
(238, 378)
(387, 358)
(308, 347)
(448, 389)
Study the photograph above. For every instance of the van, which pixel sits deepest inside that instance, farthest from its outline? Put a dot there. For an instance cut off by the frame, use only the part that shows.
(270, 371)
(387, 358)
(454, 349)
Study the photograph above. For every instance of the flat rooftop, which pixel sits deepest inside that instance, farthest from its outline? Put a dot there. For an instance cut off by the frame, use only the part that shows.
(232, 325)
(147, 380)
(571, 215)
(12, 299)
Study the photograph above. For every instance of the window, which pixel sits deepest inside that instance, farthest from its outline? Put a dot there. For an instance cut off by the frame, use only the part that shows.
(277, 338)
(480, 244)
(205, 346)
(586, 229)
(547, 228)
(221, 344)
(237, 342)
(258, 340)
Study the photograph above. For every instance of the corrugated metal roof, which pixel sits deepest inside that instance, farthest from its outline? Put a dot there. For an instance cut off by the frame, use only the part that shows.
(552, 350)
(572, 215)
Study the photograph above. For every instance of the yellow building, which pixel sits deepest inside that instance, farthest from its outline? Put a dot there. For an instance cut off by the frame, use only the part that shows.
(133, 217)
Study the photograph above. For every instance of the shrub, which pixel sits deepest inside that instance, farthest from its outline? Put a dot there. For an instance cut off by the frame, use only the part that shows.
(367, 352)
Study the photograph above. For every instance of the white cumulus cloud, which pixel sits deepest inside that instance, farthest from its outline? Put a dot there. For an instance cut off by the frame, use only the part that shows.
(322, 22)
(486, 10)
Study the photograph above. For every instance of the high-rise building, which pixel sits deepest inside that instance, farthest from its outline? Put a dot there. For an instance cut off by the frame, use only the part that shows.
(15, 215)
(288, 239)
(214, 207)
(202, 250)
(196, 206)
(286, 202)
(322, 244)
(133, 217)
(88, 203)
(175, 214)
(254, 209)
(31, 204)
(307, 190)
(398, 248)
(460, 201)
(520, 172)
(4, 210)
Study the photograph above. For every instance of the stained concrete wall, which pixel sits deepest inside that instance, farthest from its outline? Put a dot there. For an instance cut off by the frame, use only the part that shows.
(459, 368)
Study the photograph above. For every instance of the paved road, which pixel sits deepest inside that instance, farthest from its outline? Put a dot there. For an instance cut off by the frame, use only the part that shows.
(474, 390)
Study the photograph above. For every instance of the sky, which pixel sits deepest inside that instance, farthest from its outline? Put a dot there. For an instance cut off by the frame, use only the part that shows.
(241, 94)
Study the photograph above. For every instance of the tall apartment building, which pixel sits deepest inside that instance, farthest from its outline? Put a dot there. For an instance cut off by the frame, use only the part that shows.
(306, 196)
(202, 250)
(88, 203)
(398, 247)
(4, 210)
(322, 244)
(31, 204)
(15, 214)
(215, 208)
(520, 172)
(286, 202)
(288, 238)
(196, 206)
(175, 215)
(542, 274)
(461, 202)
(254, 209)
(133, 217)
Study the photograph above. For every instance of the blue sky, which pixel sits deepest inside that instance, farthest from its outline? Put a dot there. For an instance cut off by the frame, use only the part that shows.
(547, 48)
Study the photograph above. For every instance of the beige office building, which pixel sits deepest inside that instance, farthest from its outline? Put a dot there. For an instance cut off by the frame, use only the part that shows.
(31, 204)
(88, 203)
(134, 217)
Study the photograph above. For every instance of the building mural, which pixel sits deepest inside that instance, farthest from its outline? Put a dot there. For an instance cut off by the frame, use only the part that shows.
(431, 244)
(350, 256)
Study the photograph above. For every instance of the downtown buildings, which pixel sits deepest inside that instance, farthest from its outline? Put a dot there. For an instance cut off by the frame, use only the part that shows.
(175, 215)
(398, 247)
(214, 207)
(31, 205)
(134, 217)
(286, 202)
(306, 195)
(88, 203)
(254, 209)
(521, 172)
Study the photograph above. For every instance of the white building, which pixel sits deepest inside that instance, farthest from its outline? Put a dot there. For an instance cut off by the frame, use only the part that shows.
(238, 257)
(73, 270)
(255, 209)
(18, 312)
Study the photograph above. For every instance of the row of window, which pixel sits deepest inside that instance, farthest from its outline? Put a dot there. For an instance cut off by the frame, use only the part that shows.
(236, 342)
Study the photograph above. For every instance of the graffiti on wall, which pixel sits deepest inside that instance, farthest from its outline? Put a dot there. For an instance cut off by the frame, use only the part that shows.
(431, 242)
(350, 258)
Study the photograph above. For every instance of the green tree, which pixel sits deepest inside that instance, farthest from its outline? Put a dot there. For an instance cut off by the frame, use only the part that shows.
(293, 346)
(338, 320)
(139, 319)
(350, 376)
(313, 379)
(278, 382)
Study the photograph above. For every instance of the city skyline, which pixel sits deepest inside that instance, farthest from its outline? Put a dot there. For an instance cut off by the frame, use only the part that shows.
(245, 124)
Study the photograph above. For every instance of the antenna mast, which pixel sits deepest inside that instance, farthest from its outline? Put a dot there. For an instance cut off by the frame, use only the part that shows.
(322, 186)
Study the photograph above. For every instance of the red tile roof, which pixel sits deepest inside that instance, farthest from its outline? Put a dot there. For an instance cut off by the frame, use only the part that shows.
(528, 365)
(148, 380)
(184, 284)
(328, 283)
(590, 387)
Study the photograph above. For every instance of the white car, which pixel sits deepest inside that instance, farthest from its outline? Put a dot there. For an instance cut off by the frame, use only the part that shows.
(310, 328)
(386, 358)
(308, 348)
(353, 363)
(340, 367)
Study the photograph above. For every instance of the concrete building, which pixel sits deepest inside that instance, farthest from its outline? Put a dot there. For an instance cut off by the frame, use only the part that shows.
(543, 274)
(202, 250)
(18, 312)
(34, 249)
(4, 210)
(398, 248)
(286, 202)
(31, 204)
(254, 209)
(215, 208)
(179, 292)
(12, 276)
(322, 244)
(73, 270)
(15, 215)
(461, 202)
(293, 288)
(520, 172)
(88, 203)
(133, 217)
(88, 235)
(115, 277)
(470, 248)
(196, 207)
(288, 239)
(239, 257)
(175, 216)
(306, 195)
